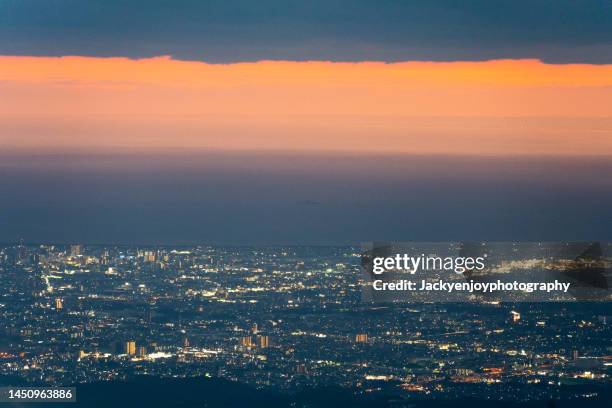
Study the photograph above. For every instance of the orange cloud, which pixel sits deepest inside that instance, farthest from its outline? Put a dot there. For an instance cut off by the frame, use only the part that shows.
(492, 107)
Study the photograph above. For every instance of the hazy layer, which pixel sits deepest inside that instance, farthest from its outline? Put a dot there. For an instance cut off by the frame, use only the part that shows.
(274, 198)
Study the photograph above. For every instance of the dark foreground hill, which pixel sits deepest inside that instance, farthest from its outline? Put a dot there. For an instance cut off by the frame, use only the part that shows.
(153, 392)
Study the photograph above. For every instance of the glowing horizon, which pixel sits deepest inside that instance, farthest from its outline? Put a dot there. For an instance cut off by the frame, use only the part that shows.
(491, 107)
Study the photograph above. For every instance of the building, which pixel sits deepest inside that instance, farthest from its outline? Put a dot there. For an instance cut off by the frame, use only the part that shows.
(254, 328)
(246, 341)
(361, 338)
(149, 256)
(515, 316)
(59, 304)
(141, 351)
(263, 341)
(130, 347)
(76, 250)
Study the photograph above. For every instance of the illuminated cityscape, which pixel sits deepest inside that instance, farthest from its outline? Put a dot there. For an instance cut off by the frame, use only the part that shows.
(282, 318)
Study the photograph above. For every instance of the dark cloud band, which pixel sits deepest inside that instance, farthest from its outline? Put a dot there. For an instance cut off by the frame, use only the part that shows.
(243, 30)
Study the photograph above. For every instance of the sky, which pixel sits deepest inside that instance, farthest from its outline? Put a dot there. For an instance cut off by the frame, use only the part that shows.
(486, 107)
(558, 31)
(283, 122)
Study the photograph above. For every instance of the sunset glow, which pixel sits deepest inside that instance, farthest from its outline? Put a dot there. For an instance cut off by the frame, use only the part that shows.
(492, 107)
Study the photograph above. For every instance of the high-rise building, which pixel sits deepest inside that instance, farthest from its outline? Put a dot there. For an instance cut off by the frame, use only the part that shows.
(361, 338)
(246, 341)
(141, 351)
(59, 304)
(263, 341)
(515, 316)
(149, 256)
(254, 328)
(130, 347)
(185, 342)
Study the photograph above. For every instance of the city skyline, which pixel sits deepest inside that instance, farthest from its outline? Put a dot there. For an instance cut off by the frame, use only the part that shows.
(286, 320)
